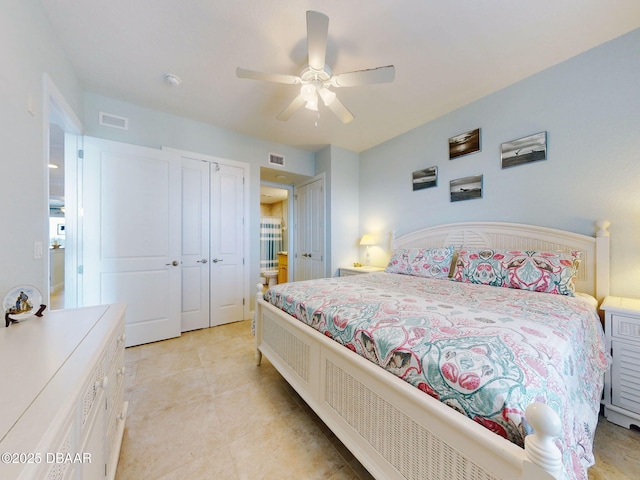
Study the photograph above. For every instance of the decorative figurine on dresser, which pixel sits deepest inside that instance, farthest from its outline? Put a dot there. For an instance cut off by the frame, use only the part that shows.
(22, 302)
(622, 382)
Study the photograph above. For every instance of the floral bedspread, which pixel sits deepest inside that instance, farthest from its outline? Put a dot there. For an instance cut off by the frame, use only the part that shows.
(487, 352)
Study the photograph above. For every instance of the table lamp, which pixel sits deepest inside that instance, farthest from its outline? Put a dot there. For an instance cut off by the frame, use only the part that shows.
(367, 240)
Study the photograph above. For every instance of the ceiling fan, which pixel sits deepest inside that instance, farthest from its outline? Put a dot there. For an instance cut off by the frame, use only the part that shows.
(316, 78)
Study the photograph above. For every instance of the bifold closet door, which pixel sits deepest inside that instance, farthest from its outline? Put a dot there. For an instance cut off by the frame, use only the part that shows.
(131, 235)
(212, 244)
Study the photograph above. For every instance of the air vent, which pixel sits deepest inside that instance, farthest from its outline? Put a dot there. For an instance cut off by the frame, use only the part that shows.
(114, 121)
(276, 159)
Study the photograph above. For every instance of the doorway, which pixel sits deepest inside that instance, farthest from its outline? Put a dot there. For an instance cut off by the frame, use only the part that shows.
(63, 239)
(275, 219)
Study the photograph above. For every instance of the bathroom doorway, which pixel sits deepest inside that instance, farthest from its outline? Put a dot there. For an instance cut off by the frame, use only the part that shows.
(277, 186)
(275, 238)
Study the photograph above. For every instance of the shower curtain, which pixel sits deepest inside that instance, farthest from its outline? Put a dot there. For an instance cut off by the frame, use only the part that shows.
(270, 242)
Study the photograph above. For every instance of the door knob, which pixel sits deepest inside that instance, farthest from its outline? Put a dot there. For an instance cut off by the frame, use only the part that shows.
(174, 263)
(216, 260)
(204, 260)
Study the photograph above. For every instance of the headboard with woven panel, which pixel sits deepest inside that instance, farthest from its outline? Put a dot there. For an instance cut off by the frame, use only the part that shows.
(593, 274)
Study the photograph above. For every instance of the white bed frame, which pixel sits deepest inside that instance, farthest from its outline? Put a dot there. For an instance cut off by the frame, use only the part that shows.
(395, 430)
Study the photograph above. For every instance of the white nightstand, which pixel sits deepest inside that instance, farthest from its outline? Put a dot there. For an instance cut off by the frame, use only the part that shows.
(622, 380)
(347, 271)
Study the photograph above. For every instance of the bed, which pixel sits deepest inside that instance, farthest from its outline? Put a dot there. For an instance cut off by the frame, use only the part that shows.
(399, 431)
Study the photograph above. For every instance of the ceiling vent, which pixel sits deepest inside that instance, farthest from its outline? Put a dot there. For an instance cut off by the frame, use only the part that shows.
(276, 159)
(114, 121)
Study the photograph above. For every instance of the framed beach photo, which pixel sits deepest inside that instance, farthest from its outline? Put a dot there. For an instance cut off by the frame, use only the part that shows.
(464, 144)
(425, 178)
(466, 188)
(524, 150)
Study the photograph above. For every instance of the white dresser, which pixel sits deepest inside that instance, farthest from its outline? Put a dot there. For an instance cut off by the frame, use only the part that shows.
(348, 271)
(622, 380)
(62, 408)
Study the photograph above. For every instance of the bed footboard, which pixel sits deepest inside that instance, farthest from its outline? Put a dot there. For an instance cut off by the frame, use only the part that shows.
(395, 430)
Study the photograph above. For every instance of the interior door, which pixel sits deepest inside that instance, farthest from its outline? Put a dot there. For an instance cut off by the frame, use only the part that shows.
(227, 244)
(316, 229)
(131, 217)
(194, 266)
(310, 231)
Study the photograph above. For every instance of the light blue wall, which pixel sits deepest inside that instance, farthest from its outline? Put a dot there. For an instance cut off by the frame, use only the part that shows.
(590, 108)
(28, 49)
(151, 128)
(341, 168)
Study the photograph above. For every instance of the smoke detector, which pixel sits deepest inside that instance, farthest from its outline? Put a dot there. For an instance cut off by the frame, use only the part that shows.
(172, 79)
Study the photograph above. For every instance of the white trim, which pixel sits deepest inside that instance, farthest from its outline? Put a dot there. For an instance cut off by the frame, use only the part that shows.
(53, 102)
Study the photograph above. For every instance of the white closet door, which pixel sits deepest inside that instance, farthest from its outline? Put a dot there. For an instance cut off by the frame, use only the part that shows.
(131, 216)
(195, 245)
(227, 244)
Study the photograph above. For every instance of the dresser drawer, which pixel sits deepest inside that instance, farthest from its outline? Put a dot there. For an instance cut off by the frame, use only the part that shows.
(92, 389)
(625, 327)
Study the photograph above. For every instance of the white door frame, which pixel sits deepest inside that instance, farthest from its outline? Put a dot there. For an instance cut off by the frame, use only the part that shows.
(54, 103)
(290, 221)
(247, 291)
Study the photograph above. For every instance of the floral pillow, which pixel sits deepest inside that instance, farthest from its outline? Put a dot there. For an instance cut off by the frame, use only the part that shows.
(550, 272)
(422, 262)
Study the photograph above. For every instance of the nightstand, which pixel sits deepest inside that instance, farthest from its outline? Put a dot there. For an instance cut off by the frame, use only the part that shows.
(347, 271)
(622, 380)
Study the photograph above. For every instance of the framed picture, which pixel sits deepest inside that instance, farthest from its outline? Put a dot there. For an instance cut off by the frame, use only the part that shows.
(466, 188)
(61, 229)
(524, 150)
(425, 178)
(464, 144)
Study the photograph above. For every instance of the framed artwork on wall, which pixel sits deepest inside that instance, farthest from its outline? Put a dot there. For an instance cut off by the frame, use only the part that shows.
(466, 188)
(524, 150)
(464, 144)
(425, 178)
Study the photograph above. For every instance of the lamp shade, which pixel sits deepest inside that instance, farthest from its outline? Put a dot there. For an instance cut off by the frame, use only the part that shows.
(367, 240)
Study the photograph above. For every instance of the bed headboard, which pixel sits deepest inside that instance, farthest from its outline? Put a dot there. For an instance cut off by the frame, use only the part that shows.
(593, 273)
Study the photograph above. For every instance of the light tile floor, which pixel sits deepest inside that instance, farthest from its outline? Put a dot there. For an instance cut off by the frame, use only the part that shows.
(199, 408)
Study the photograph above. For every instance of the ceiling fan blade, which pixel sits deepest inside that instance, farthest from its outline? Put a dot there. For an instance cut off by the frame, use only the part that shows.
(364, 77)
(269, 77)
(317, 33)
(338, 108)
(295, 104)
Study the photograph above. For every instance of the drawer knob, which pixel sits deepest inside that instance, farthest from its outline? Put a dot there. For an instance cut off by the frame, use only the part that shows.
(102, 383)
(121, 370)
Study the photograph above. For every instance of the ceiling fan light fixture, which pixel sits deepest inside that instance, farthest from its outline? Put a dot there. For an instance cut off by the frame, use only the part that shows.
(308, 92)
(312, 104)
(327, 96)
(316, 78)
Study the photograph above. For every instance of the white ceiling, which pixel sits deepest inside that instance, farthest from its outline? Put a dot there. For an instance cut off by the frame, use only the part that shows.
(446, 53)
